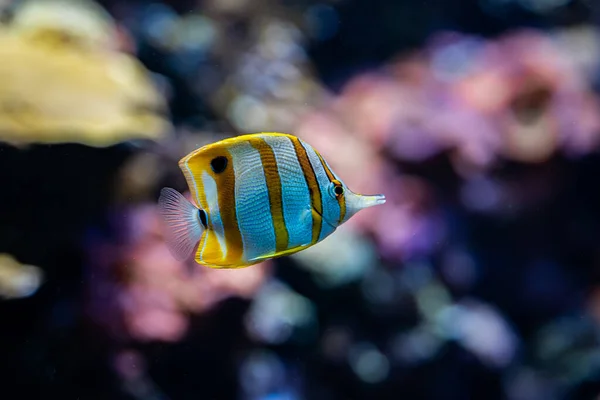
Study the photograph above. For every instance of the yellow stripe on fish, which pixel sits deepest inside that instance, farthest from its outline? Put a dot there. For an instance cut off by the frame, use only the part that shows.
(258, 196)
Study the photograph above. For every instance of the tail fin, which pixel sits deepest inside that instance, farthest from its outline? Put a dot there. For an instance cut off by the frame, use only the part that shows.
(183, 229)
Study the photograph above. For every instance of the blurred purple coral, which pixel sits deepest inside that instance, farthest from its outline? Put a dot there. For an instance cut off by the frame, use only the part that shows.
(411, 225)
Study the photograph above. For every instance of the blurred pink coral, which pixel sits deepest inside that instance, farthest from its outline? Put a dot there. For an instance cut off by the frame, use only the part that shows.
(525, 87)
(392, 109)
(520, 97)
(156, 292)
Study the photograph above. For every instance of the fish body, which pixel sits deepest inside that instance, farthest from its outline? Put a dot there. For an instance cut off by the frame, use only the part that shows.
(257, 196)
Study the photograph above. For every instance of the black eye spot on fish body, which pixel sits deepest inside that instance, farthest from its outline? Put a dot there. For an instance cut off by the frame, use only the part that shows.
(218, 164)
(203, 218)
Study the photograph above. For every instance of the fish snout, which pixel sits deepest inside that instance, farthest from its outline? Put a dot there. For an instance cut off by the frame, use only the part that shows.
(356, 202)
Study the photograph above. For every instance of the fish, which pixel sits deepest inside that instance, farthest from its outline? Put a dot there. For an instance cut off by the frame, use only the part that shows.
(255, 197)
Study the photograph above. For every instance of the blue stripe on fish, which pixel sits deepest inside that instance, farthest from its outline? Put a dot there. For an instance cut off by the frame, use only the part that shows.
(252, 202)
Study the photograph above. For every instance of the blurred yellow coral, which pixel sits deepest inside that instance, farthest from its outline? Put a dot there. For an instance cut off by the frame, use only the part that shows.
(18, 280)
(83, 22)
(63, 79)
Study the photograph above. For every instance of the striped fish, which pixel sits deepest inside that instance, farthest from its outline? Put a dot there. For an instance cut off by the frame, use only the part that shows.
(257, 197)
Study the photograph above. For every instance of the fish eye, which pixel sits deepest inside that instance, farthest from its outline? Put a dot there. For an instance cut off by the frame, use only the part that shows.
(203, 218)
(337, 189)
(218, 164)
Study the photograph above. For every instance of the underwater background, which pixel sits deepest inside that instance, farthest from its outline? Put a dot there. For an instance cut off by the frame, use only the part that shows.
(478, 279)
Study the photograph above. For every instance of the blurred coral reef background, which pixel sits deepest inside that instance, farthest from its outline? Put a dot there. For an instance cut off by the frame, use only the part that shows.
(479, 278)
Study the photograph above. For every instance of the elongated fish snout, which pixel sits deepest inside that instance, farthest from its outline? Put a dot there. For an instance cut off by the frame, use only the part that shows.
(366, 201)
(357, 202)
